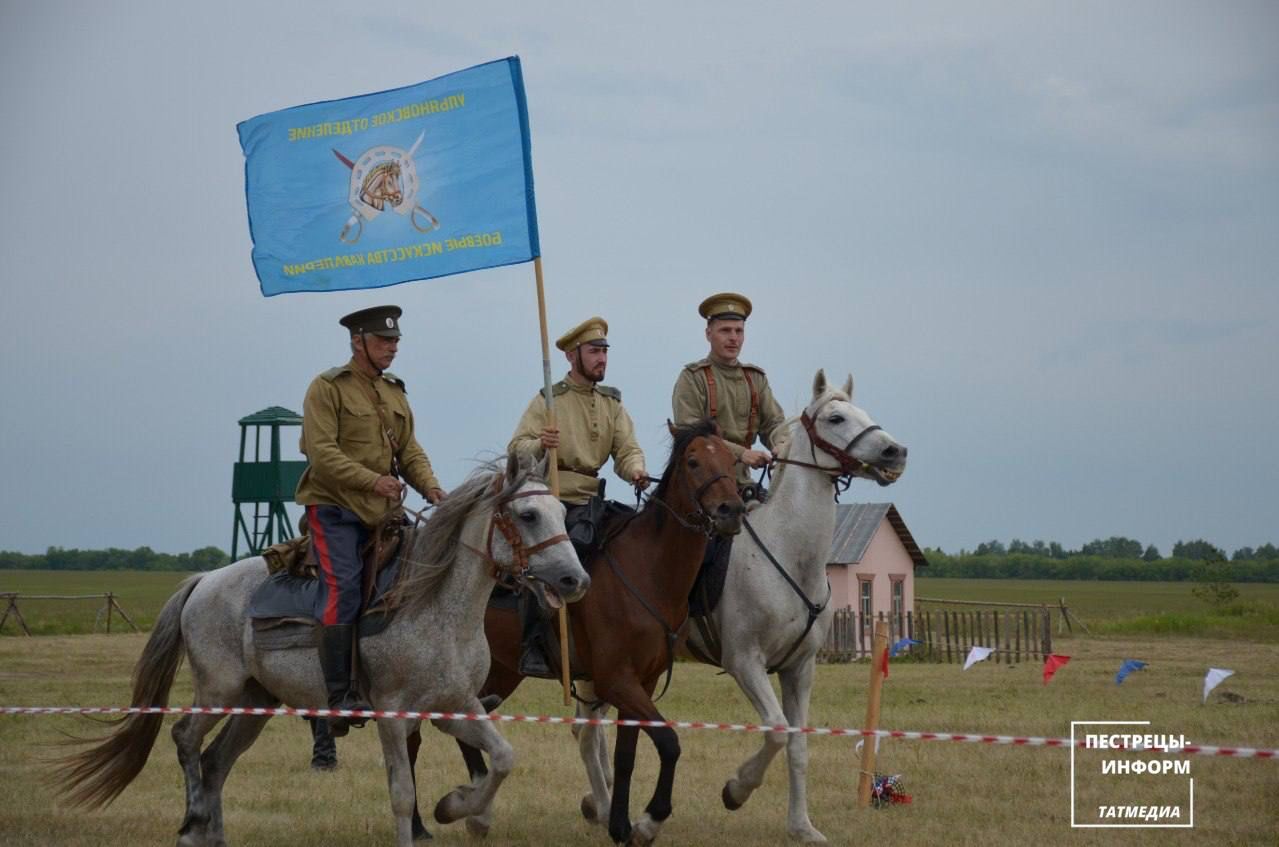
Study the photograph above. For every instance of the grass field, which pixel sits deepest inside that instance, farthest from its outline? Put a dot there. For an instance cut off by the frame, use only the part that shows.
(1128, 608)
(140, 593)
(963, 794)
(1118, 607)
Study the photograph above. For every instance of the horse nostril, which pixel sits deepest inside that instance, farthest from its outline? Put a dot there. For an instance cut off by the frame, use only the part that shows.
(889, 452)
(569, 582)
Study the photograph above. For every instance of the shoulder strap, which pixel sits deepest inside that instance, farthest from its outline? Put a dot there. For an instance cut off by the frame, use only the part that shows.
(754, 412)
(710, 392)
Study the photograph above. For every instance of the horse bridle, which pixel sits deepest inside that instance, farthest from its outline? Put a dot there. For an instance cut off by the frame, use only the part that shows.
(848, 466)
(707, 522)
(520, 552)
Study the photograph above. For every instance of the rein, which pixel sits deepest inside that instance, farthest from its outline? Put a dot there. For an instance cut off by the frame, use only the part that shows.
(707, 523)
(814, 610)
(672, 635)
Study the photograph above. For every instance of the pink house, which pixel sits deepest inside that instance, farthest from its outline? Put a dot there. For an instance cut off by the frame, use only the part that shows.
(872, 561)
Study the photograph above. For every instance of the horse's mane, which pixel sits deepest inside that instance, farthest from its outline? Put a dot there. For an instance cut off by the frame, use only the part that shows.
(681, 437)
(791, 426)
(435, 546)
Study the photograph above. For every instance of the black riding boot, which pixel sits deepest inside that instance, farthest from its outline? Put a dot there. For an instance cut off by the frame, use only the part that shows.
(532, 656)
(324, 752)
(336, 644)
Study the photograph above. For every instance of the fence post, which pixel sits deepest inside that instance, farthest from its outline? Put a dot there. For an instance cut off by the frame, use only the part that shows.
(866, 781)
(13, 607)
(1048, 633)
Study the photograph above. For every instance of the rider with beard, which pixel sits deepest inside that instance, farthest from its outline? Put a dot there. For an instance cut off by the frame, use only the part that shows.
(357, 433)
(592, 425)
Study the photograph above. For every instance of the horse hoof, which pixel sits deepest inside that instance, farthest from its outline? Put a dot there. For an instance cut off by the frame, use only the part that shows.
(644, 832)
(808, 836)
(447, 810)
(727, 796)
(588, 808)
(621, 834)
(477, 827)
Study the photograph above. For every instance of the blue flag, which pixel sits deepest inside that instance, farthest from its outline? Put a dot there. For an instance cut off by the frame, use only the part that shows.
(414, 183)
(903, 644)
(1126, 668)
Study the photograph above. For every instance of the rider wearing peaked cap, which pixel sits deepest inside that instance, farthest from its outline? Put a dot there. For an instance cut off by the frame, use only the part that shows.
(735, 394)
(592, 425)
(358, 436)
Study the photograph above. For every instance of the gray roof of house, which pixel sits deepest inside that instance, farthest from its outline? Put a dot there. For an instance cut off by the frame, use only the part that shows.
(855, 525)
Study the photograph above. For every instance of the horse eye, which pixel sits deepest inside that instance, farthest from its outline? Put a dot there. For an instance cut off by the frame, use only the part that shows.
(529, 517)
(836, 419)
(692, 463)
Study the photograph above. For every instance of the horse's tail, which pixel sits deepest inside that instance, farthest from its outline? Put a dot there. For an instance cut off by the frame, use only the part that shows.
(96, 776)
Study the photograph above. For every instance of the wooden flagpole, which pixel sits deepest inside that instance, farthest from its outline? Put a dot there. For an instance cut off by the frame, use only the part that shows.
(870, 742)
(552, 462)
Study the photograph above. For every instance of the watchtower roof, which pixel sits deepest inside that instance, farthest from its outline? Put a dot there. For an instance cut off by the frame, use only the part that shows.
(272, 415)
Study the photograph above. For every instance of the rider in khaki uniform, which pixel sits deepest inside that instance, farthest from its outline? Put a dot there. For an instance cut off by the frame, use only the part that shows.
(357, 433)
(733, 393)
(592, 425)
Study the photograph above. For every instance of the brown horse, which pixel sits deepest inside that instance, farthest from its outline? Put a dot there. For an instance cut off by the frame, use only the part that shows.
(626, 628)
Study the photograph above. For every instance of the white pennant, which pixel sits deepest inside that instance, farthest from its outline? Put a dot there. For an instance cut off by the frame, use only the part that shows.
(1214, 678)
(978, 654)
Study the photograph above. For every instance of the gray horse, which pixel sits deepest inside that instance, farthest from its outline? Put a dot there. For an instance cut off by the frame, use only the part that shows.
(767, 622)
(432, 656)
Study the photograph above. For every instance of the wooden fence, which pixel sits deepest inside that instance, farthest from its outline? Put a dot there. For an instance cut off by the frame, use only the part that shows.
(109, 606)
(945, 636)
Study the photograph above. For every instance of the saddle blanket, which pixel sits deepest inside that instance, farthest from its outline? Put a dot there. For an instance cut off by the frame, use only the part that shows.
(283, 610)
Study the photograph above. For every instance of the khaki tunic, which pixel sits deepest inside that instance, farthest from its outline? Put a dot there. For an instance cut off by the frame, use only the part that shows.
(593, 426)
(342, 437)
(690, 403)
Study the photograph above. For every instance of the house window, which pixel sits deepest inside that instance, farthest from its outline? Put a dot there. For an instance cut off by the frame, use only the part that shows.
(865, 605)
(897, 622)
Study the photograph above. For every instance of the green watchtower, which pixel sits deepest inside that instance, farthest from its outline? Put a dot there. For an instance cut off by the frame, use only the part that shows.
(266, 484)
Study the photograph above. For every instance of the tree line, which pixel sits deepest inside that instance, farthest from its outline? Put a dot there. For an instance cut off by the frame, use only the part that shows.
(1114, 558)
(1119, 547)
(114, 559)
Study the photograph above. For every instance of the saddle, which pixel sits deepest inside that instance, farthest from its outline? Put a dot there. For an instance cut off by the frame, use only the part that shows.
(282, 608)
(297, 556)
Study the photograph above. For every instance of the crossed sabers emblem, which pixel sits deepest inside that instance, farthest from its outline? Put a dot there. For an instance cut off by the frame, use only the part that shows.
(384, 177)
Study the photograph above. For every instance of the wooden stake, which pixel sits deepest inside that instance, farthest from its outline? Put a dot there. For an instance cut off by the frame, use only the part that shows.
(866, 783)
(552, 458)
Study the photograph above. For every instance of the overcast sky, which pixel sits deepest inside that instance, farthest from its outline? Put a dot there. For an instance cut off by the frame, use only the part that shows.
(1043, 237)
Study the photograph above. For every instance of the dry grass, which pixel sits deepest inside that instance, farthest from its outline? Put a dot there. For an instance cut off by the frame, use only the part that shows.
(963, 794)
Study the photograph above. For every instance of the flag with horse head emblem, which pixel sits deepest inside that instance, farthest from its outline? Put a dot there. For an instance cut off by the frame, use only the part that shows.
(414, 183)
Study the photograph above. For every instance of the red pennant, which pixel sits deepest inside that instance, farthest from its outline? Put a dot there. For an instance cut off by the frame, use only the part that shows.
(883, 665)
(1051, 664)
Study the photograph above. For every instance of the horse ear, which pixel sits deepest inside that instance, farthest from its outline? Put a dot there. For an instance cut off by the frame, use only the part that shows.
(513, 462)
(848, 387)
(671, 427)
(819, 383)
(542, 467)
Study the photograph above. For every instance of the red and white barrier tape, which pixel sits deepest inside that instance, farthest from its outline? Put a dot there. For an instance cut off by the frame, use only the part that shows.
(285, 711)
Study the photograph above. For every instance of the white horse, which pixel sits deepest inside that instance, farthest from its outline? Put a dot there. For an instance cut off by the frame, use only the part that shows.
(774, 614)
(432, 656)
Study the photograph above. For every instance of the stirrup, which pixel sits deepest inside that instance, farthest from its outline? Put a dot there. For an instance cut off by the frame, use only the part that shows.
(533, 663)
